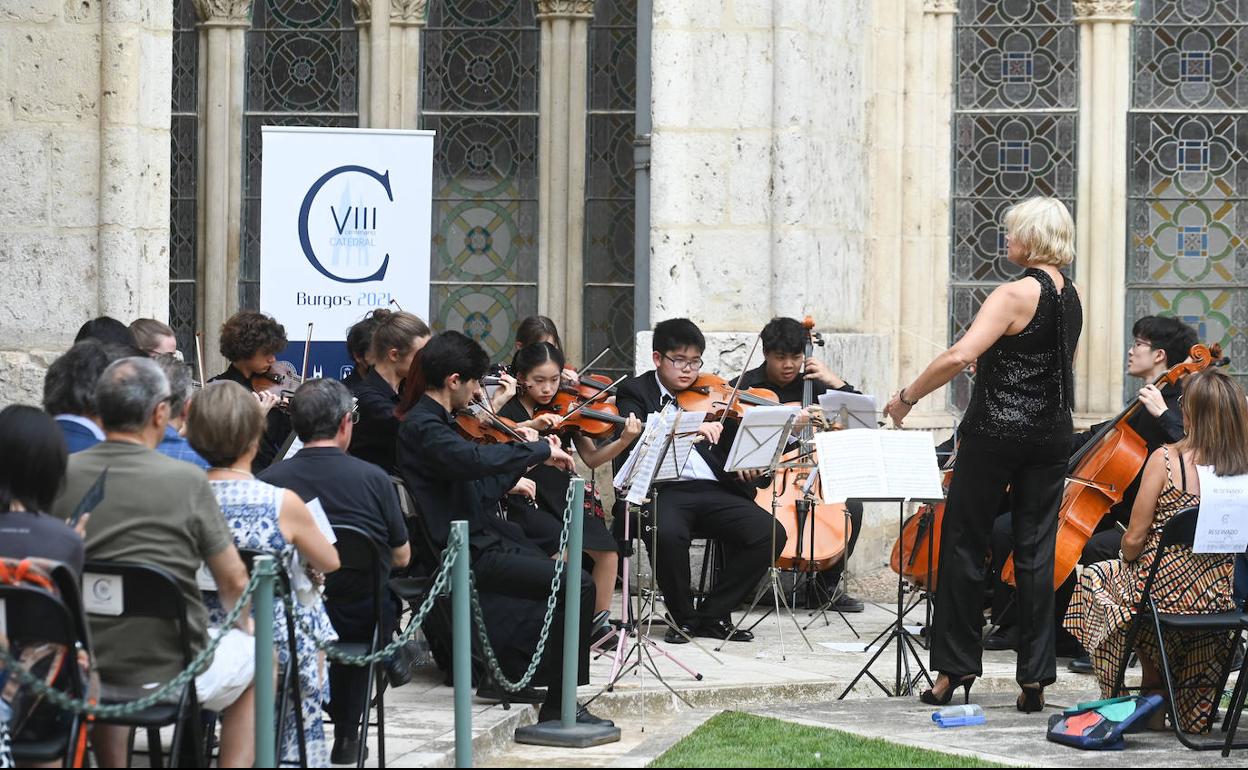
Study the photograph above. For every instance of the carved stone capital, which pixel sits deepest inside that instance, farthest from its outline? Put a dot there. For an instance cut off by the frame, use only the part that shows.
(363, 10)
(565, 9)
(1104, 10)
(233, 13)
(411, 12)
(937, 7)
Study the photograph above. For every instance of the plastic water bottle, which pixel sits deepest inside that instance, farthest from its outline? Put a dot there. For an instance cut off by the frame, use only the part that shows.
(959, 716)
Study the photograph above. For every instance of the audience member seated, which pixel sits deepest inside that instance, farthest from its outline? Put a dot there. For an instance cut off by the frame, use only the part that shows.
(396, 341)
(160, 512)
(69, 392)
(32, 469)
(1103, 606)
(108, 330)
(153, 337)
(353, 493)
(174, 443)
(225, 424)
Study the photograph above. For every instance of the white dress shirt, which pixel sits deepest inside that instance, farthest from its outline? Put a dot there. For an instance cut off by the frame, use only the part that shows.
(696, 469)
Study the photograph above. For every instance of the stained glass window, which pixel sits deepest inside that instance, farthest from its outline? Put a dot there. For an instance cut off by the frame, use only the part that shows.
(1015, 132)
(1188, 213)
(184, 178)
(609, 188)
(480, 80)
(301, 71)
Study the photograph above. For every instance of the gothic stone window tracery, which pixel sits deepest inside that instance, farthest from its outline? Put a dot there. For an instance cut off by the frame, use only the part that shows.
(1188, 208)
(301, 71)
(184, 177)
(480, 80)
(609, 188)
(1015, 132)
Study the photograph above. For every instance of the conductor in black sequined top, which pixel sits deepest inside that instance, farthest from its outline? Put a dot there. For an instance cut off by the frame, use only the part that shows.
(1015, 436)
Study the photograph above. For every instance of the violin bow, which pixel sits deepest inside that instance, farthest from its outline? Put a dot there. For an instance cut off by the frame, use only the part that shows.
(595, 359)
(585, 402)
(736, 389)
(307, 348)
(396, 304)
(199, 356)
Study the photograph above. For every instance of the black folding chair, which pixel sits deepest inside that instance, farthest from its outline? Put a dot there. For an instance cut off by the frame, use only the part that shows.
(358, 551)
(289, 692)
(407, 583)
(1180, 532)
(1237, 705)
(38, 616)
(151, 592)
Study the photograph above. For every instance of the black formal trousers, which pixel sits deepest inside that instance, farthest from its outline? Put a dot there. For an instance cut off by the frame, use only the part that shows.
(1035, 476)
(527, 575)
(744, 532)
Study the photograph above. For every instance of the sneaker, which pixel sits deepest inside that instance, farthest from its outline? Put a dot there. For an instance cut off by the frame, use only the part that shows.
(847, 603)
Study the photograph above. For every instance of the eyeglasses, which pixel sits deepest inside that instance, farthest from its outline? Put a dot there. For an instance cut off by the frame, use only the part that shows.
(685, 364)
(1139, 343)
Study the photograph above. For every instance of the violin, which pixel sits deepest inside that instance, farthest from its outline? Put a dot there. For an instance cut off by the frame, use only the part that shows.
(591, 418)
(1099, 474)
(817, 532)
(712, 393)
(280, 380)
(483, 427)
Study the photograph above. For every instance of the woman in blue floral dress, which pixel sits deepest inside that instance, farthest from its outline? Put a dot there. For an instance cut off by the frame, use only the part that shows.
(224, 425)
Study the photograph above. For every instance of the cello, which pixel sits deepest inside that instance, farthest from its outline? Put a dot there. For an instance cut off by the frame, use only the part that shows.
(817, 532)
(1099, 474)
(920, 540)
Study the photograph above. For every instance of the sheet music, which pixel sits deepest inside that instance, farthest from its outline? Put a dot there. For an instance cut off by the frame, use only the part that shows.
(861, 410)
(322, 519)
(879, 464)
(759, 435)
(1222, 523)
(686, 432)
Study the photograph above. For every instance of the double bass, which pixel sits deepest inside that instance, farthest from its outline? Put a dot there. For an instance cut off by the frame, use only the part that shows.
(817, 532)
(1101, 471)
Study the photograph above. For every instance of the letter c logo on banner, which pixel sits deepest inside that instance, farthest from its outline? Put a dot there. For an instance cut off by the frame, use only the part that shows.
(306, 208)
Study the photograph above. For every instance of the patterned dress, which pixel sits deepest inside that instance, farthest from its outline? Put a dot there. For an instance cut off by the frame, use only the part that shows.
(251, 509)
(1103, 607)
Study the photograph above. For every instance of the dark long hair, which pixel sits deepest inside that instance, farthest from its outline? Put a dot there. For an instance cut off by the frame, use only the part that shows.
(32, 458)
(532, 356)
(534, 328)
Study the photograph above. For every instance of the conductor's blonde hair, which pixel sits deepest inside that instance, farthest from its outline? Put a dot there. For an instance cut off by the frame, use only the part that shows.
(1045, 228)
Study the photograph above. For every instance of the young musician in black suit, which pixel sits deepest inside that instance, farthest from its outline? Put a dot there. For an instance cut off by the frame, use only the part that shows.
(785, 369)
(250, 341)
(454, 479)
(705, 498)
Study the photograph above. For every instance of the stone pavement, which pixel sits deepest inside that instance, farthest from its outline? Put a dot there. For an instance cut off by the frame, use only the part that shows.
(800, 686)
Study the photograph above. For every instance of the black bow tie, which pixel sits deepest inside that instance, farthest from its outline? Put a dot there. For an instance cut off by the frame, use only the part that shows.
(664, 401)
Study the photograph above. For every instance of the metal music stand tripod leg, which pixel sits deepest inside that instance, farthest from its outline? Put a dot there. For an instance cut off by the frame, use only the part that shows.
(895, 633)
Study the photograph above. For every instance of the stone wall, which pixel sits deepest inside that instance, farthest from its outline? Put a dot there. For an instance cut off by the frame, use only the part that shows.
(84, 148)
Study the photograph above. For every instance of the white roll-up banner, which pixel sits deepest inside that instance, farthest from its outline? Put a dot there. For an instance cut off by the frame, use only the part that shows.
(345, 217)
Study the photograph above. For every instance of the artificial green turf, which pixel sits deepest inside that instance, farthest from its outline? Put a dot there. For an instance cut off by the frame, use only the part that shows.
(733, 739)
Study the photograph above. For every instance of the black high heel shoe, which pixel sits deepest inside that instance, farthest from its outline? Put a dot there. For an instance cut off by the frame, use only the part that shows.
(932, 699)
(1031, 700)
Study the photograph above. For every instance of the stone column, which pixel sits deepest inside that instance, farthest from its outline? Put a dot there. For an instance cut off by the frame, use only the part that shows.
(225, 23)
(407, 21)
(1104, 97)
(379, 65)
(135, 75)
(561, 163)
(363, 22)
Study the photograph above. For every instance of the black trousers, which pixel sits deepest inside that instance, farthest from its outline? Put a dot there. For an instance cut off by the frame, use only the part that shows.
(527, 575)
(744, 532)
(1035, 475)
(1103, 545)
(353, 620)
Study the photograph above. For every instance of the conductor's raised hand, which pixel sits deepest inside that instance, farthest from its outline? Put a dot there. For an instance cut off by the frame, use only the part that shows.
(897, 409)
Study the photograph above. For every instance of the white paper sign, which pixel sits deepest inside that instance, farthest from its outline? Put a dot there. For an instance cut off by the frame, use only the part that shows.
(1222, 523)
(877, 464)
(345, 220)
(102, 594)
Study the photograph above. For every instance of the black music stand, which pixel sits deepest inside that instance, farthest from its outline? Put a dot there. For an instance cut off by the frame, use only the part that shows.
(896, 631)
